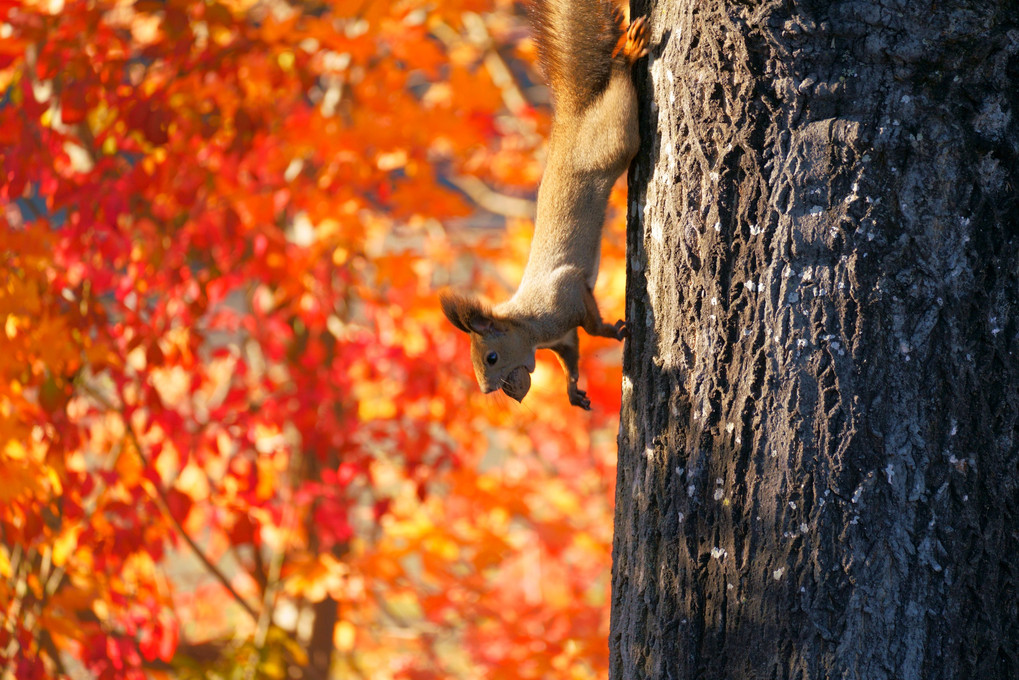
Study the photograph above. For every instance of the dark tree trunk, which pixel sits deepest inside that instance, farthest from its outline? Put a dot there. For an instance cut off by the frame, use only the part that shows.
(818, 470)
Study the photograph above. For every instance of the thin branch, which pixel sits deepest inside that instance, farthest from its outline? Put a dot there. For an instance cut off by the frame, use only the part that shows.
(13, 610)
(164, 506)
(501, 75)
(273, 581)
(47, 643)
(493, 201)
(513, 96)
(430, 632)
(261, 572)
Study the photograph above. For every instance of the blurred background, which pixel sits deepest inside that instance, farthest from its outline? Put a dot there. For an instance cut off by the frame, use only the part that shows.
(238, 439)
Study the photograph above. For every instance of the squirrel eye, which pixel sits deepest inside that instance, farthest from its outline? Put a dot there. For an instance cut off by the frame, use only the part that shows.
(491, 358)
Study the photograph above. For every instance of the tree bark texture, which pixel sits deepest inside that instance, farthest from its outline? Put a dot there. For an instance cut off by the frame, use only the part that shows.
(818, 446)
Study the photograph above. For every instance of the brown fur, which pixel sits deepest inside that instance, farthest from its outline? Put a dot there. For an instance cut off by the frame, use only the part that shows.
(594, 138)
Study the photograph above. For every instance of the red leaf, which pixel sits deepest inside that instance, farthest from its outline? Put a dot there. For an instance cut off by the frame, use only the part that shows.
(155, 128)
(243, 531)
(179, 504)
(381, 508)
(158, 641)
(73, 105)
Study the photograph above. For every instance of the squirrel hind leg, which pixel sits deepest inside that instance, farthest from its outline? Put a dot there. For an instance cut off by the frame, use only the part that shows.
(632, 41)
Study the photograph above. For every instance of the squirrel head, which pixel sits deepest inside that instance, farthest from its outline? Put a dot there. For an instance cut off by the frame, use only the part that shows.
(501, 349)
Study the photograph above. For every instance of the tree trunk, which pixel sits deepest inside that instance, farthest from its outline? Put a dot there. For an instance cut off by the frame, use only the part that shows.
(818, 470)
(326, 612)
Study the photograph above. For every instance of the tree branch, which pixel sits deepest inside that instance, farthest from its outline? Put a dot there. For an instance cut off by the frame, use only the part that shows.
(492, 201)
(159, 496)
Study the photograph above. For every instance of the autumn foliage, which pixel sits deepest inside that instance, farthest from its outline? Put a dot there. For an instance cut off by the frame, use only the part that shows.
(237, 437)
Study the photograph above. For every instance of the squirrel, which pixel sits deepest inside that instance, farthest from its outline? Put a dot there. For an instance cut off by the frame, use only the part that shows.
(586, 50)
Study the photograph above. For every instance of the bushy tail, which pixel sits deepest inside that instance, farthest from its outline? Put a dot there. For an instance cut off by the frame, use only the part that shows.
(577, 44)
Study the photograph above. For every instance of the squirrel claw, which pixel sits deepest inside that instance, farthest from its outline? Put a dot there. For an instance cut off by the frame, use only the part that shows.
(578, 397)
(622, 330)
(636, 40)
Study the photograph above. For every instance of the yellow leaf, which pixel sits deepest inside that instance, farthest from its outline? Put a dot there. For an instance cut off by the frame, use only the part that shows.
(267, 477)
(15, 450)
(375, 402)
(65, 544)
(316, 578)
(11, 327)
(344, 636)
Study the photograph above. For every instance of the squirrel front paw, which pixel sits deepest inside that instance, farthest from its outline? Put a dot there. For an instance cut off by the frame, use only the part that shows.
(616, 331)
(578, 397)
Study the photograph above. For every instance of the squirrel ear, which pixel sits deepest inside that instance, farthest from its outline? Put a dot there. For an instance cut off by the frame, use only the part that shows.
(466, 312)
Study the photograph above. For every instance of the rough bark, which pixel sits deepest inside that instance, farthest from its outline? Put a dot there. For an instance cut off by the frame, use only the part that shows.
(818, 447)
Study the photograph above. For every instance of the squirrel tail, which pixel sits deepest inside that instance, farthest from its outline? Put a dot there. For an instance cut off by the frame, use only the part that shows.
(578, 43)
